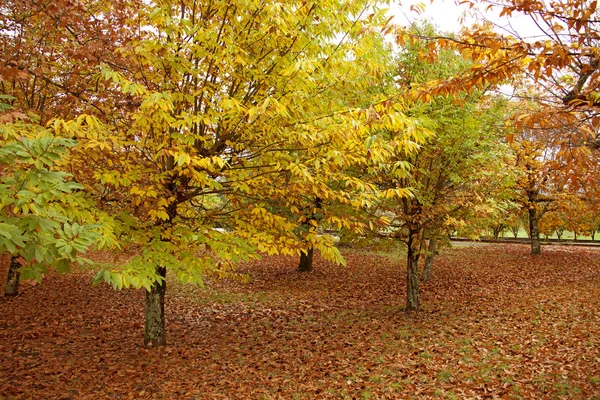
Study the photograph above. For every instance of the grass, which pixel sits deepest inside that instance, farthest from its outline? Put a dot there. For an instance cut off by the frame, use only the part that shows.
(567, 235)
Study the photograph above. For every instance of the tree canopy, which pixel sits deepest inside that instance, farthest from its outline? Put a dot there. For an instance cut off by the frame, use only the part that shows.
(201, 135)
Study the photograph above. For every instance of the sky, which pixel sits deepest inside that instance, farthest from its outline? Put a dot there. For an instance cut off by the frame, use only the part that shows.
(443, 13)
(446, 15)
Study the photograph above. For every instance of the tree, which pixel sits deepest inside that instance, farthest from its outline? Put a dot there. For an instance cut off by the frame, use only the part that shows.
(578, 215)
(514, 220)
(552, 222)
(50, 52)
(227, 94)
(45, 220)
(452, 170)
(565, 56)
(340, 198)
(592, 216)
(534, 185)
(543, 174)
(562, 61)
(49, 55)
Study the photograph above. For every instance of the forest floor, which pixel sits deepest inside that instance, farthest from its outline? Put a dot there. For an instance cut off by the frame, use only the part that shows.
(496, 323)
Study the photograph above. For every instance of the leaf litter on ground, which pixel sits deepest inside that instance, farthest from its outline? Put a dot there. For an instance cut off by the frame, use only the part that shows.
(496, 323)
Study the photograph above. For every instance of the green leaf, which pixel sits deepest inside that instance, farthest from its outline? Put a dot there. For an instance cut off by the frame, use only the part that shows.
(62, 266)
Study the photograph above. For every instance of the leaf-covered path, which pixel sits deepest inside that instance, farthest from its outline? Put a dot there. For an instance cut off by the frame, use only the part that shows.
(496, 323)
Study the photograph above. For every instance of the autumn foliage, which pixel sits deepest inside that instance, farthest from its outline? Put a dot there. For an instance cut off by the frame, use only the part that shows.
(188, 139)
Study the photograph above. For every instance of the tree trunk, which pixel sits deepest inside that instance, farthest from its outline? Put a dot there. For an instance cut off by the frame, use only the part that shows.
(12, 281)
(431, 253)
(412, 273)
(306, 260)
(593, 236)
(534, 231)
(154, 330)
(497, 230)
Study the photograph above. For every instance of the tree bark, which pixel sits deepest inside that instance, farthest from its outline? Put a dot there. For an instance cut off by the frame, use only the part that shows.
(497, 230)
(154, 330)
(12, 281)
(306, 260)
(412, 272)
(534, 231)
(431, 253)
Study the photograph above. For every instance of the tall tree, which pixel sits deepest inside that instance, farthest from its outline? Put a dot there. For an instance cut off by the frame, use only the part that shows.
(453, 169)
(50, 52)
(544, 175)
(227, 94)
(562, 60)
(341, 197)
(532, 160)
(45, 220)
(49, 57)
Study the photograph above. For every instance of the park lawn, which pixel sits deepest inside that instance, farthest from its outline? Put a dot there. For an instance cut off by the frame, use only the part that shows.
(567, 235)
(496, 323)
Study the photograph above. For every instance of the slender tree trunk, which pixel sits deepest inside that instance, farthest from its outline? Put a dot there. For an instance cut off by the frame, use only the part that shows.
(412, 273)
(534, 231)
(593, 236)
(306, 260)
(497, 230)
(12, 281)
(431, 253)
(154, 330)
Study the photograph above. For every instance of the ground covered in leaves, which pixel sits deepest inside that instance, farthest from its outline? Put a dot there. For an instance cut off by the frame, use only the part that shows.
(496, 323)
